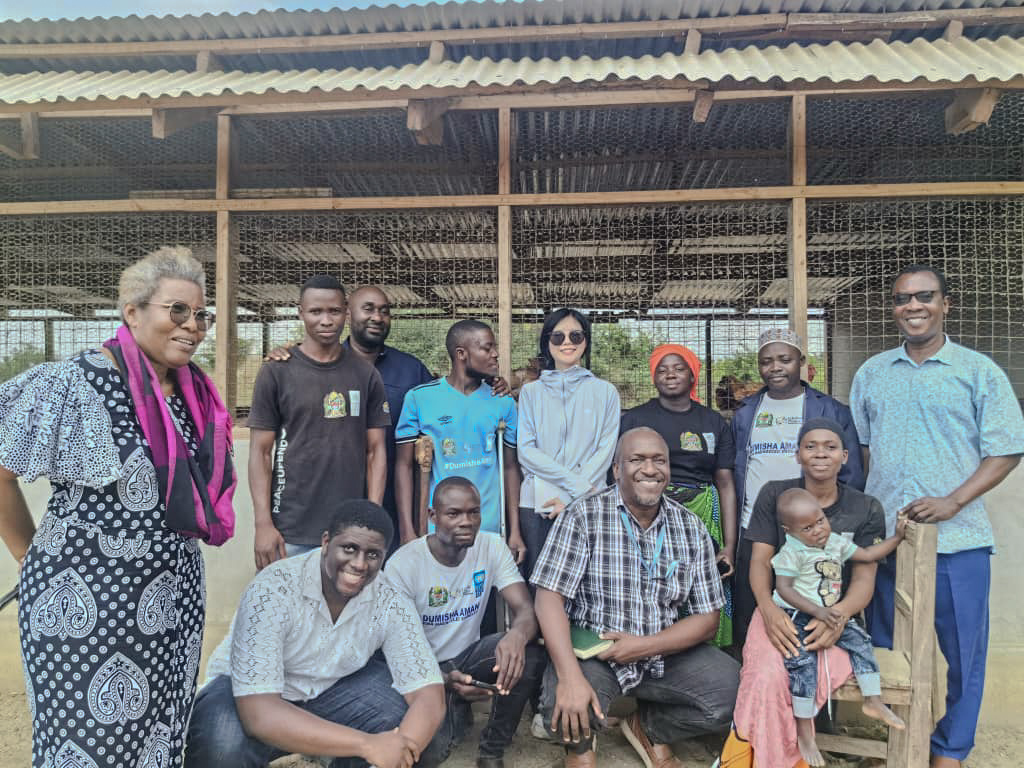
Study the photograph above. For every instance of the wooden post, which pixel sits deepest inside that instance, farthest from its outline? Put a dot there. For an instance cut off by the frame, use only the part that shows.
(226, 369)
(505, 243)
(797, 267)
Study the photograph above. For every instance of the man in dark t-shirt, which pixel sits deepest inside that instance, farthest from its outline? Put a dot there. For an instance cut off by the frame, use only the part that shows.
(318, 429)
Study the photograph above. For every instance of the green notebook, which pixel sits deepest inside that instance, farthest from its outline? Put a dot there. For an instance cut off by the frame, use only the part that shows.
(586, 643)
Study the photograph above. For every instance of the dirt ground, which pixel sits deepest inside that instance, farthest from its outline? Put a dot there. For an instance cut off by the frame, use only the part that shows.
(996, 747)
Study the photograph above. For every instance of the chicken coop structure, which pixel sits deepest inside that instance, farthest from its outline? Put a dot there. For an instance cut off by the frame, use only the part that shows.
(687, 171)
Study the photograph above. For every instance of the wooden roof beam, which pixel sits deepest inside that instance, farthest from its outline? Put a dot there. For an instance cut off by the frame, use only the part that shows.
(169, 121)
(425, 118)
(971, 109)
(702, 106)
(28, 148)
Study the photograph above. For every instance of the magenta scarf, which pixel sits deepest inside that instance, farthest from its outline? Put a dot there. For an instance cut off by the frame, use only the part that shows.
(197, 490)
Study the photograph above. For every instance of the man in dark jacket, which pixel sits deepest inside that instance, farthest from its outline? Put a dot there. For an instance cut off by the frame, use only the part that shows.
(765, 428)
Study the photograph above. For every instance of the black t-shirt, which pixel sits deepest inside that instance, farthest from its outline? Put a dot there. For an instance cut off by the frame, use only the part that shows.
(320, 413)
(853, 513)
(699, 440)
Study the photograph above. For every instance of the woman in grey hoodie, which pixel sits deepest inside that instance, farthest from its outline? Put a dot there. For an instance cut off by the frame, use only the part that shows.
(568, 425)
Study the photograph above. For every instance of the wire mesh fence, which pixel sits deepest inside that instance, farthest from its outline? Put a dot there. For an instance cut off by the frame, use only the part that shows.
(880, 140)
(711, 276)
(651, 147)
(108, 158)
(60, 277)
(976, 242)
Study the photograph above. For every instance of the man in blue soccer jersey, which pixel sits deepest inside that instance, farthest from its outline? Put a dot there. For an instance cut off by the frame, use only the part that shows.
(460, 413)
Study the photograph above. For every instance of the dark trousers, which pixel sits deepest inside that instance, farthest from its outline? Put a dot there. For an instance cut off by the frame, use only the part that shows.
(696, 695)
(364, 700)
(478, 662)
(534, 529)
(803, 668)
(743, 602)
(962, 582)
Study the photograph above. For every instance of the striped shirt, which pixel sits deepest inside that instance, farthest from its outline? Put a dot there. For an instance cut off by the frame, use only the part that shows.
(612, 581)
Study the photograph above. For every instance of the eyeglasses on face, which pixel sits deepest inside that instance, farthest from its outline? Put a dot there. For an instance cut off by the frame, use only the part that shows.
(180, 312)
(576, 337)
(902, 299)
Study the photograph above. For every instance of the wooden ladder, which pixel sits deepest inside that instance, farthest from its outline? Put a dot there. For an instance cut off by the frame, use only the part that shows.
(910, 669)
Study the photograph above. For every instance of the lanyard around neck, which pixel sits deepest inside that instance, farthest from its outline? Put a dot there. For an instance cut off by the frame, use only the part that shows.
(659, 543)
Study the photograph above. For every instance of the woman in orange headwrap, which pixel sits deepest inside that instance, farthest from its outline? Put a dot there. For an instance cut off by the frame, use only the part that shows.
(701, 455)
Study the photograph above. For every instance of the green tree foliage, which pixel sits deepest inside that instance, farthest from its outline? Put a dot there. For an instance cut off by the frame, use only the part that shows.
(20, 360)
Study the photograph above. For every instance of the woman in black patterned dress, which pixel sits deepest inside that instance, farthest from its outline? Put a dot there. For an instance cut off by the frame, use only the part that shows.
(136, 446)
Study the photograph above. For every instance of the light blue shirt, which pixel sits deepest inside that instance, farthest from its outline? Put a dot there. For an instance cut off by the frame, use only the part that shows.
(929, 426)
(463, 428)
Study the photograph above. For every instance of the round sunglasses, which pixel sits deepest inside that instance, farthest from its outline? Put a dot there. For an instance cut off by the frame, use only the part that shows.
(180, 312)
(557, 337)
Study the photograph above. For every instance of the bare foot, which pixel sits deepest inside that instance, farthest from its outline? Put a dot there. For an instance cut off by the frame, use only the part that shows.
(945, 762)
(805, 739)
(873, 707)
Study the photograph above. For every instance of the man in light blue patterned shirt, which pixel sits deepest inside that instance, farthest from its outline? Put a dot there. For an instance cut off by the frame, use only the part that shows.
(939, 426)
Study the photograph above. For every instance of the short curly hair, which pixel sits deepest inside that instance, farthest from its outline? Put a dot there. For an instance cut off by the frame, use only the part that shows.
(139, 281)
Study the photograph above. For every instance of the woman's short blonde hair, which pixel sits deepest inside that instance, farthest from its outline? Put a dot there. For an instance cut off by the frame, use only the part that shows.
(140, 280)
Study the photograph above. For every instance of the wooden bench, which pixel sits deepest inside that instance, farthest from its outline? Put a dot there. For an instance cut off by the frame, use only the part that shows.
(909, 670)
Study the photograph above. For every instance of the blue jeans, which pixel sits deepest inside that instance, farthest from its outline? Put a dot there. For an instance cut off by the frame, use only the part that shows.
(696, 695)
(962, 582)
(477, 661)
(803, 668)
(364, 700)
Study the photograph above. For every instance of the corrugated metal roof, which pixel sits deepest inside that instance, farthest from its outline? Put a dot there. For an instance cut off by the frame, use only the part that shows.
(939, 61)
(452, 15)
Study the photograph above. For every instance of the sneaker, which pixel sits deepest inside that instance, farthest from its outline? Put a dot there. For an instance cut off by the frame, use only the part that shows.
(653, 755)
(537, 729)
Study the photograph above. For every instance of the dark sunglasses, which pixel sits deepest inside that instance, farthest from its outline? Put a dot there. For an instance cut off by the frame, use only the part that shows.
(557, 337)
(902, 299)
(180, 313)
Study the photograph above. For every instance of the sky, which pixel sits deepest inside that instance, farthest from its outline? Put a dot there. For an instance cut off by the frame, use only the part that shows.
(67, 9)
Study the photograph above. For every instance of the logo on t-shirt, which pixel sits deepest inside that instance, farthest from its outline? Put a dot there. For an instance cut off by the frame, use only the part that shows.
(385, 407)
(709, 438)
(830, 587)
(764, 420)
(448, 447)
(437, 596)
(688, 441)
(445, 420)
(334, 405)
(478, 582)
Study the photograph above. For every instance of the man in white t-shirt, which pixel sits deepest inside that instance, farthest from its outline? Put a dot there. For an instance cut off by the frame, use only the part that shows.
(448, 576)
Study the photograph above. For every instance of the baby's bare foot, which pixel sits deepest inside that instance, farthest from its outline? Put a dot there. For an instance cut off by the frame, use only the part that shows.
(805, 740)
(873, 707)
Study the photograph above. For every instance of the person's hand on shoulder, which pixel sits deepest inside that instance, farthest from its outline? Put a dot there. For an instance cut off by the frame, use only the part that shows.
(500, 387)
(281, 353)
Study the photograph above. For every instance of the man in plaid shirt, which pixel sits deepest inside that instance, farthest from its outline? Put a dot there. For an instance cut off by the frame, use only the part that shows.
(626, 563)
